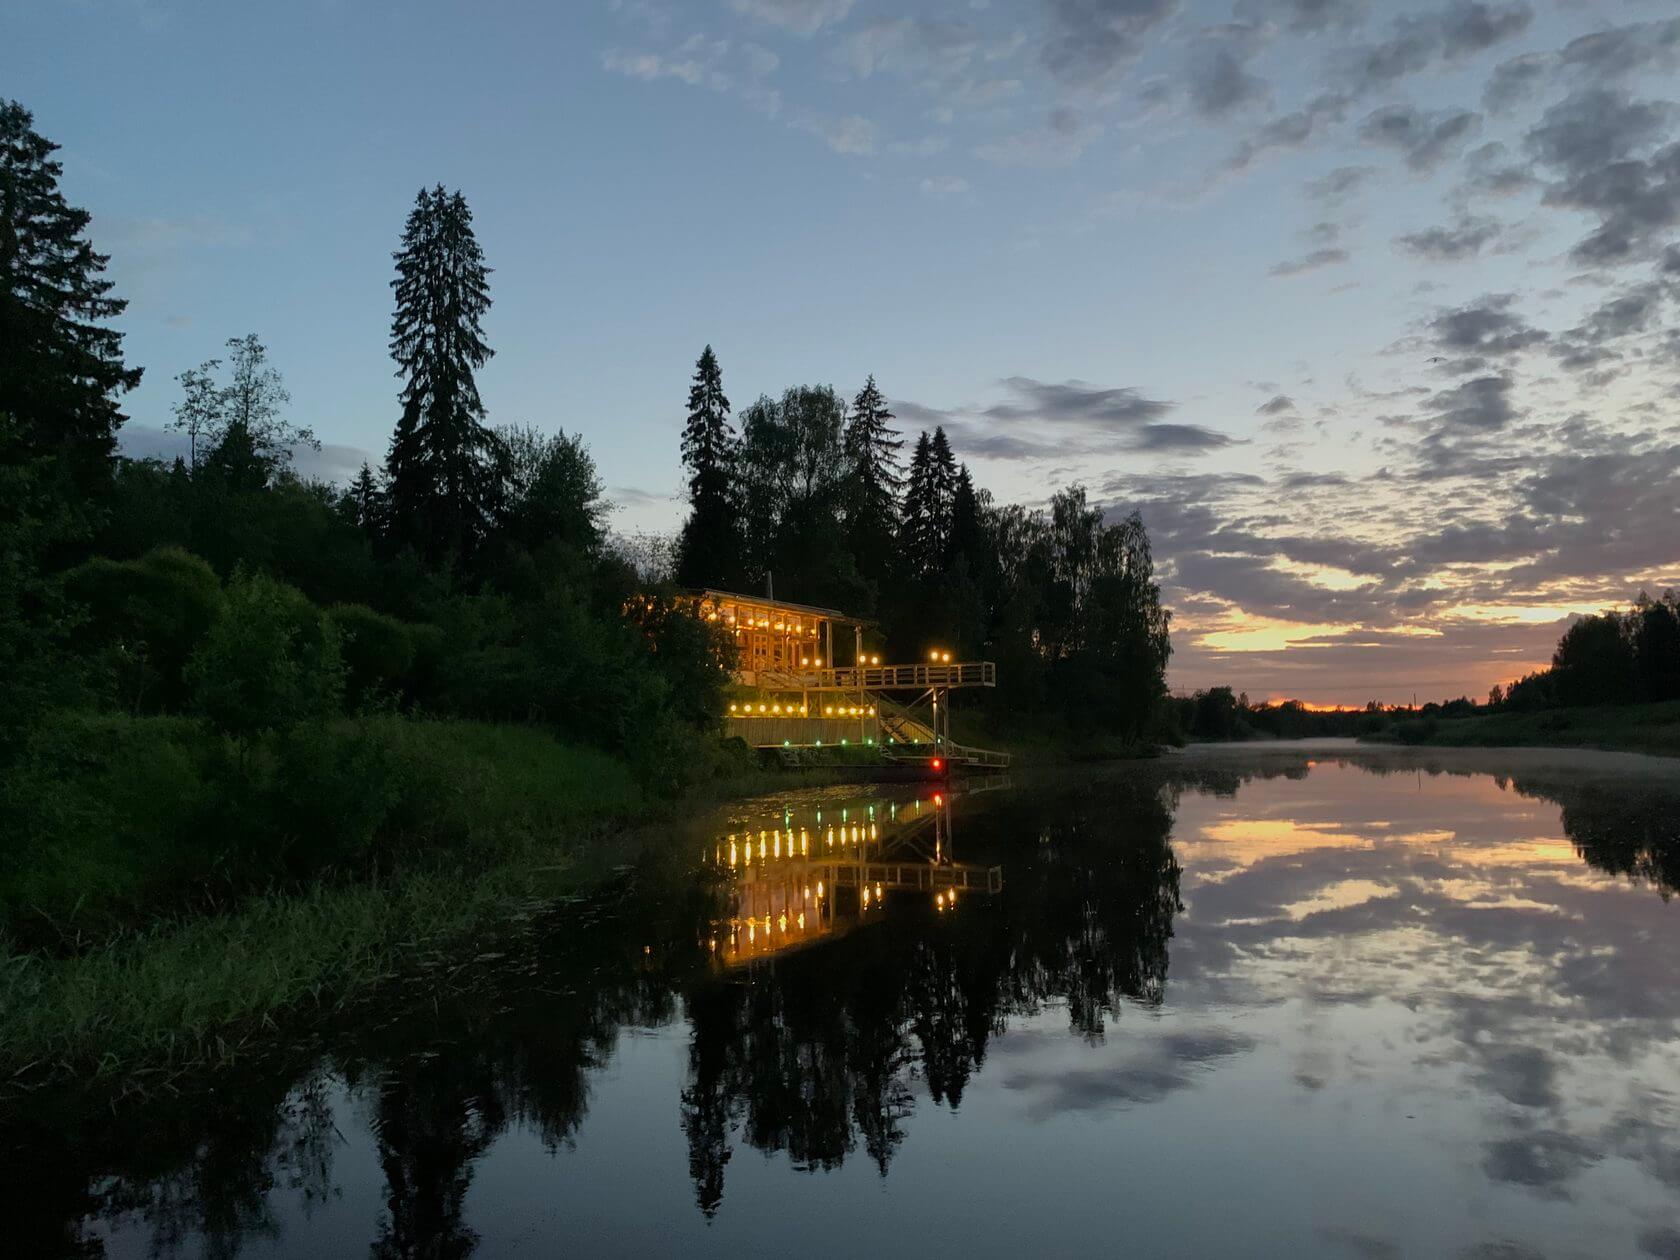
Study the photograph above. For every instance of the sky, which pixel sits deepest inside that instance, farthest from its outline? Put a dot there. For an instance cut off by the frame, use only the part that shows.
(1368, 306)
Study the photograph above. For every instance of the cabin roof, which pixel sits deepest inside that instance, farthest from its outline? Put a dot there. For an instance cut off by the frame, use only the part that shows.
(782, 605)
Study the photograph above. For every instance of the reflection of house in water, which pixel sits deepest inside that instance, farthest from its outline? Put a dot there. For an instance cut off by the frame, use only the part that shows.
(817, 874)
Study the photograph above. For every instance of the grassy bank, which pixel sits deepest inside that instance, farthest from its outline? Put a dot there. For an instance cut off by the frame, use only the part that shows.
(1643, 728)
(192, 948)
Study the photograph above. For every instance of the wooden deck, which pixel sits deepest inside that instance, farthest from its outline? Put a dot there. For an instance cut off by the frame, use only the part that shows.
(860, 678)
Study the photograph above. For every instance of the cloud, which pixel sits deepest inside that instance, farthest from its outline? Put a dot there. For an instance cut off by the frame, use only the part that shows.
(1216, 70)
(1415, 42)
(1091, 42)
(944, 185)
(1463, 238)
(1592, 141)
(802, 17)
(1289, 131)
(1076, 402)
(851, 136)
(1425, 139)
(1340, 185)
(1276, 406)
(1310, 262)
(1309, 17)
(1479, 405)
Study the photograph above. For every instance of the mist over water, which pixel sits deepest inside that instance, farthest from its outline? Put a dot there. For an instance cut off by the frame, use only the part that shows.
(1247, 1002)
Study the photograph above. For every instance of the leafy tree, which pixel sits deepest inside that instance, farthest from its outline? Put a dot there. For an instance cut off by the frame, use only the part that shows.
(61, 366)
(1594, 662)
(709, 550)
(1656, 644)
(269, 661)
(553, 494)
(444, 466)
(874, 479)
(198, 414)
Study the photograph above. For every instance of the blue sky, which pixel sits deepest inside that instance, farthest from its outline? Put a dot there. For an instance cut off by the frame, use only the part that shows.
(1364, 304)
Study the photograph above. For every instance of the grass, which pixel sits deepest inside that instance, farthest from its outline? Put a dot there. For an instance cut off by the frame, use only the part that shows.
(1642, 728)
(486, 825)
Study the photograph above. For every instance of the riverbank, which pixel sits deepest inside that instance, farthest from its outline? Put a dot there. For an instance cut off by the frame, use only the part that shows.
(174, 958)
(1641, 728)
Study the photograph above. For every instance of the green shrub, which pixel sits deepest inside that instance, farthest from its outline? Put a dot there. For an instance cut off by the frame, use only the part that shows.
(379, 653)
(270, 660)
(144, 618)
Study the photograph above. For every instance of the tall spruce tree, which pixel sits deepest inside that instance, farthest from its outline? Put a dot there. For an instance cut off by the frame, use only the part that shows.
(942, 487)
(709, 551)
(367, 502)
(918, 531)
(874, 478)
(444, 467)
(61, 368)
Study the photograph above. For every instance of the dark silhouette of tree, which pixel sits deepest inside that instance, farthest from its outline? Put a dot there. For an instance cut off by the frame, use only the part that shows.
(709, 550)
(553, 494)
(919, 525)
(942, 489)
(367, 502)
(874, 479)
(444, 466)
(61, 367)
(1594, 662)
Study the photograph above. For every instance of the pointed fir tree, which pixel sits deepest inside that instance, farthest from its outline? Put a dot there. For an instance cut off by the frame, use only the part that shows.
(874, 478)
(942, 485)
(709, 550)
(61, 368)
(918, 530)
(367, 502)
(444, 465)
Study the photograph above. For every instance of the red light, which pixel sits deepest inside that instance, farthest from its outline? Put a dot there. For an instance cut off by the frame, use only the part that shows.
(938, 764)
(938, 800)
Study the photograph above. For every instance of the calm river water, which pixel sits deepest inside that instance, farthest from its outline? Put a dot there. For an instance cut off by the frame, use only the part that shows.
(1279, 1002)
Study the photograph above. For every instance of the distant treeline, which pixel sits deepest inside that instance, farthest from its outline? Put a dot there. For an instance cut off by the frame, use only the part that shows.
(810, 496)
(1612, 658)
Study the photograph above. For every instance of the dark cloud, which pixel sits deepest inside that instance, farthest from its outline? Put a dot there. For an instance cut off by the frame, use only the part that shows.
(1593, 141)
(1463, 238)
(1473, 26)
(1090, 42)
(1216, 71)
(1625, 50)
(1515, 81)
(1290, 131)
(1426, 139)
(1340, 185)
(1487, 328)
(1416, 41)
(1181, 438)
(1310, 262)
(1491, 171)
(1076, 402)
(1310, 17)
(1047, 419)
(1479, 405)
(1276, 406)
(1524, 1075)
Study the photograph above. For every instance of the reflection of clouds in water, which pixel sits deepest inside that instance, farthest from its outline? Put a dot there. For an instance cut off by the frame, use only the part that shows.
(1146, 1070)
(1470, 931)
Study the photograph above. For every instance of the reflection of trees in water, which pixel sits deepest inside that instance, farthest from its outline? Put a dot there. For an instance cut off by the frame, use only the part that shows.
(819, 1049)
(813, 1053)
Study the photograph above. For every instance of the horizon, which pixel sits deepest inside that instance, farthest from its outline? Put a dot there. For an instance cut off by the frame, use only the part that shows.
(1368, 309)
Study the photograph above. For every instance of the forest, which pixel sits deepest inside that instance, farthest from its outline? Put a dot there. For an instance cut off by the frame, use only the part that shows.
(224, 677)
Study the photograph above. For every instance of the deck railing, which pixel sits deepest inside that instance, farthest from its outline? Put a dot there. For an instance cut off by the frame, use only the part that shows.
(877, 677)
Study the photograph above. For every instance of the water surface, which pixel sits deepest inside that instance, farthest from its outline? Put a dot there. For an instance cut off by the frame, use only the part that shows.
(1280, 1003)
